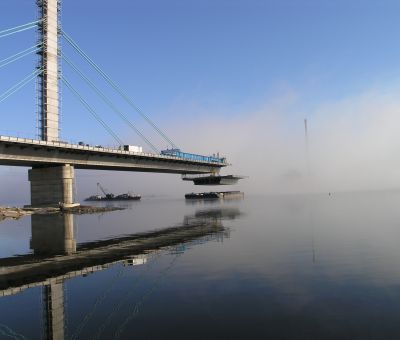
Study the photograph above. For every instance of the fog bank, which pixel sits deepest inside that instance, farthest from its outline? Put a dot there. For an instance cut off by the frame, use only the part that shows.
(353, 145)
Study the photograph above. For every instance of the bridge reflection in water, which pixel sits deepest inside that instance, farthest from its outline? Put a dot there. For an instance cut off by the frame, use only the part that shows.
(57, 257)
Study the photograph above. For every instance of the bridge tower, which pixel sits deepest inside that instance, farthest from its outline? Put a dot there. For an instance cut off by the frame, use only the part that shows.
(50, 185)
(49, 99)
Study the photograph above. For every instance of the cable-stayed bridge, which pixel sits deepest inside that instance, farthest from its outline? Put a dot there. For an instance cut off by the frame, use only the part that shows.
(53, 161)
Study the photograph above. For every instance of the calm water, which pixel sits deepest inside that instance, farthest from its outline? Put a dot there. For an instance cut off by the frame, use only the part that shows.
(284, 267)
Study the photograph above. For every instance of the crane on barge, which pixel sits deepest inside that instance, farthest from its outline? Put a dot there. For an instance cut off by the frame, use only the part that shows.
(111, 197)
(107, 195)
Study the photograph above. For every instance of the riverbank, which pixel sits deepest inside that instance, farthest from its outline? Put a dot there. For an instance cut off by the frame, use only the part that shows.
(17, 213)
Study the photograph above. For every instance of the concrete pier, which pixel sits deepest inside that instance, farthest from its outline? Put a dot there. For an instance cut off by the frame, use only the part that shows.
(51, 186)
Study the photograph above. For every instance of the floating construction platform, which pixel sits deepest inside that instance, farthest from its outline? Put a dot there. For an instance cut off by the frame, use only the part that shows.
(213, 179)
(215, 195)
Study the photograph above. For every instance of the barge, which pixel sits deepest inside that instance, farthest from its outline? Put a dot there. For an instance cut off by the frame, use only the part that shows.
(111, 197)
(215, 195)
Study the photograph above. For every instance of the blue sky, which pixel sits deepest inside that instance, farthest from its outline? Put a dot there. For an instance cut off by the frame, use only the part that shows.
(187, 61)
(224, 55)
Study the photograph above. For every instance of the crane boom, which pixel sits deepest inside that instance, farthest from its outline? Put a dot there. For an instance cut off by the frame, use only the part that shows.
(106, 194)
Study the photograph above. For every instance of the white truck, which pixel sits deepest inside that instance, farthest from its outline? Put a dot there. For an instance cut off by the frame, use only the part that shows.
(132, 148)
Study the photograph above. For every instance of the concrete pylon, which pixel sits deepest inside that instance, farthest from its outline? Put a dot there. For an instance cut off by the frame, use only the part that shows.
(51, 186)
(49, 102)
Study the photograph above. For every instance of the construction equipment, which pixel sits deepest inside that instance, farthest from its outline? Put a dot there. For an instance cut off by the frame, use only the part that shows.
(105, 192)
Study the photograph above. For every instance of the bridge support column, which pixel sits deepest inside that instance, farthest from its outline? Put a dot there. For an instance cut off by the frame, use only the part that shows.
(51, 186)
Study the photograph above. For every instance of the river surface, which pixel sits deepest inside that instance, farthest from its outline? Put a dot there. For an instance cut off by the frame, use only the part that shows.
(278, 267)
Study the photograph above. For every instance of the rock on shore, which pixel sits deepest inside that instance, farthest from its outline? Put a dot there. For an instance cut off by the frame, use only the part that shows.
(16, 213)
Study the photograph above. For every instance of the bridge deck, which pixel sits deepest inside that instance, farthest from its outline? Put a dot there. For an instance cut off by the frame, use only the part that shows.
(15, 151)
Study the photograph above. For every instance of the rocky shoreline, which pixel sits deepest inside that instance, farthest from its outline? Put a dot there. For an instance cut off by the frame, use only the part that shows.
(16, 213)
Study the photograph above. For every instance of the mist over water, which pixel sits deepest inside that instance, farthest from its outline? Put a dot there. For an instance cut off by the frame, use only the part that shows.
(352, 145)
